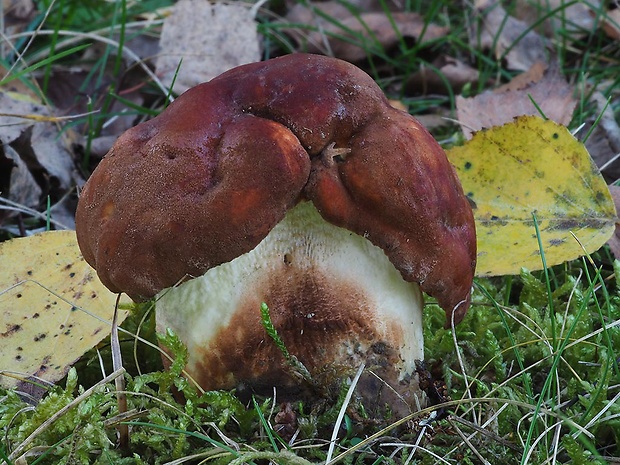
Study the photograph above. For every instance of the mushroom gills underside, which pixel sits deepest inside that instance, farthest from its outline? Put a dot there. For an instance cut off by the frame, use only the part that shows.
(335, 300)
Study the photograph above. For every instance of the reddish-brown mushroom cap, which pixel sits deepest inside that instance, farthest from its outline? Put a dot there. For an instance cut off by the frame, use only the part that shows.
(206, 180)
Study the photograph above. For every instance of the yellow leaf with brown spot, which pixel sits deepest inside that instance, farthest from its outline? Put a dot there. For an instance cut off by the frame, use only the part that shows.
(525, 168)
(53, 308)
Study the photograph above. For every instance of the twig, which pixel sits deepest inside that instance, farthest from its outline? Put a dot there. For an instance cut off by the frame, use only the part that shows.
(486, 432)
(469, 444)
(117, 364)
(14, 206)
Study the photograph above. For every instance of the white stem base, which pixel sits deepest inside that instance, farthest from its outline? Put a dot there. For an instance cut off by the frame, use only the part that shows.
(334, 298)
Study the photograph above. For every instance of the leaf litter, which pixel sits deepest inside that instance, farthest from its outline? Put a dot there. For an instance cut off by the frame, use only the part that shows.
(347, 32)
(201, 40)
(506, 37)
(542, 89)
(36, 156)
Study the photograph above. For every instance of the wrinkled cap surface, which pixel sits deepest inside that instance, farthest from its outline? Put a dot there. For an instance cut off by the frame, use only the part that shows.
(207, 179)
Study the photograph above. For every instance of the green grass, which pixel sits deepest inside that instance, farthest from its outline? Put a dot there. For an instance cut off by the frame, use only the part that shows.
(532, 372)
(499, 380)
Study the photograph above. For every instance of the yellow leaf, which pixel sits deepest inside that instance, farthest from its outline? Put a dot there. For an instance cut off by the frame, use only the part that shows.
(532, 166)
(53, 308)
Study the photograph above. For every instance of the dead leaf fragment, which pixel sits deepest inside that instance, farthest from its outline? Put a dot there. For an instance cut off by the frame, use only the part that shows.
(574, 19)
(432, 79)
(27, 124)
(614, 241)
(15, 85)
(611, 24)
(604, 140)
(208, 39)
(16, 16)
(16, 182)
(34, 144)
(524, 80)
(550, 91)
(508, 38)
(285, 421)
(20, 9)
(72, 91)
(347, 35)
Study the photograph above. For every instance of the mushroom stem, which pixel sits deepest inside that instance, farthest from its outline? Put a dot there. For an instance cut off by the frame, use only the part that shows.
(335, 300)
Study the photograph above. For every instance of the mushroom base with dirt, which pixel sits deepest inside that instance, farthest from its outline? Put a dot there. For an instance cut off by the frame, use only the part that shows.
(335, 299)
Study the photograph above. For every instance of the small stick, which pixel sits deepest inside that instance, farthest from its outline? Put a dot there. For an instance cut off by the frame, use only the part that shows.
(486, 432)
(121, 397)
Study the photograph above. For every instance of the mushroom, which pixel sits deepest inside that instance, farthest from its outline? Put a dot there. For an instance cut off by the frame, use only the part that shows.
(291, 182)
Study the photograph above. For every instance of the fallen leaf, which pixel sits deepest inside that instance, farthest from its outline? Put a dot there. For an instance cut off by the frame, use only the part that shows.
(532, 166)
(611, 23)
(53, 308)
(16, 182)
(614, 241)
(20, 9)
(444, 71)
(524, 80)
(17, 14)
(604, 140)
(508, 38)
(15, 85)
(549, 89)
(208, 38)
(72, 91)
(349, 35)
(35, 144)
(572, 19)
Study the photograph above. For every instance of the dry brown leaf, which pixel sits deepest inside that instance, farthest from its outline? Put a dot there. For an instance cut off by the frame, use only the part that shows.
(38, 143)
(508, 37)
(604, 141)
(16, 85)
(72, 92)
(611, 24)
(36, 158)
(614, 241)
(523, 80)
(428, 81)
(16, 16)
(551, 93)
(20, 9)
(16, 182)
(14, 103)
(208, 38)
(348, 38)
(574, 19)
